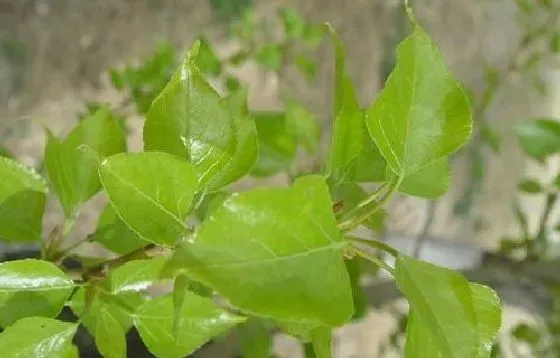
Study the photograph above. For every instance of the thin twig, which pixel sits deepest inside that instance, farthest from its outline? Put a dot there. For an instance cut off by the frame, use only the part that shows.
(366, 255)
(375, 244)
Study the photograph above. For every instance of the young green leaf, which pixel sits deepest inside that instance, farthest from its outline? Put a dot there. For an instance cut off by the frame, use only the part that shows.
(109, 336)
(134, 276)
(422, 115)
(450, 317)
(114, 234)
(73, 174)
(190, 120)
(31, 288)
(264, 255)
(539, 138)
(37, 337)
(255, 339)
(306, 66)
(277, 145)
(353, 155)
(200, 320)
(151, 192)
(530, 186)
(22, 202)
(431, 182)
(207, 61)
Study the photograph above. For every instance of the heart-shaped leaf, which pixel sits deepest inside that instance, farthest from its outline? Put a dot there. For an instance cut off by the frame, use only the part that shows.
(151, 192)
(265, 249)
(22, 202)
(31, 288)
(421, 116)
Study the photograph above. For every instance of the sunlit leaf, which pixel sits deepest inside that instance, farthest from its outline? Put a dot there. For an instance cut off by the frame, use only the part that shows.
(37, 337)
(151, 192)
(422, 115)
(190, 120)
(263, 255)
(31, 288)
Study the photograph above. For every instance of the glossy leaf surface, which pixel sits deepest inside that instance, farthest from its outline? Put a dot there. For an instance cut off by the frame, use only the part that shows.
(31, 288)
(190, 120)
(199, 321)
(265, 256)
(37, 337)
(109, 335)
(22, 202)
(73, 175)
(423, 114)
(151, 192)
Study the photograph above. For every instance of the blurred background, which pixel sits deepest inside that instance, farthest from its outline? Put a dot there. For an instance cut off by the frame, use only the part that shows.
(60, 59)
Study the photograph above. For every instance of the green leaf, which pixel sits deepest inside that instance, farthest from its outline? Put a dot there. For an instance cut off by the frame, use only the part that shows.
(109, 336)
(526, 333)
(255, 339)
(306, 65)
(31, 288)
(321, 338)
(121, 307)
(22, 202)
(348, 196)
(190, 120)
(5, 152)
(354, 268)
(449, 317)
(151, 192)
(530, 186)
(134, 276)
(232, 83)
(209, 203)
(73, 174)
(200, 320)
(490, 137)
(423, 114)
(303, 126)
(431, 182)
(277, 145)
(539, 138)
(37, 337)
(274, 273)
(270, 56)
(114, 234)
(294, 24)
(206, 60)
(353, 156)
